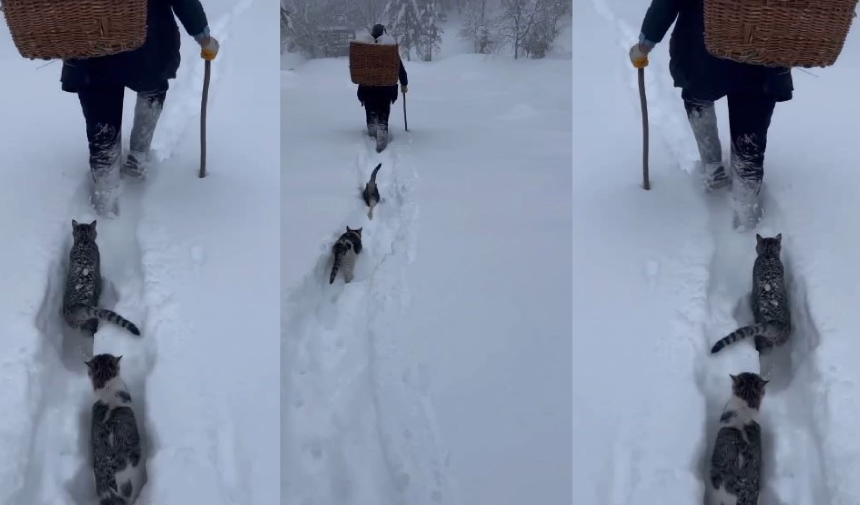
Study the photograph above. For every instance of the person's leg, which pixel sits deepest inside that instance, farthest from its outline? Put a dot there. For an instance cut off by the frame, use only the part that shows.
(147, 110)
(384, 108)
(703, 121)
(372, 119)
(102, 108)
(749, 121)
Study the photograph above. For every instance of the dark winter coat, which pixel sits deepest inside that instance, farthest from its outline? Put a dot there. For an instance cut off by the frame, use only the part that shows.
(694, 69)
(152, 64)
(366, 93)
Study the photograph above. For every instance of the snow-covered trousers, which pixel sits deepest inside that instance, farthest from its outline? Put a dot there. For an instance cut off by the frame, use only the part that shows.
(102, 108)
(377, 109)
(749, 121)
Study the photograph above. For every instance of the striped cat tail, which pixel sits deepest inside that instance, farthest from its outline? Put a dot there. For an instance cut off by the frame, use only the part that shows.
(112, 317)
(739, 334)
(373, 175)
(335, 266)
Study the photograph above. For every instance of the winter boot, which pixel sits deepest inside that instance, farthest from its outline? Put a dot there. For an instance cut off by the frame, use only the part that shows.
(147, 110)
(703, 121)
(746, 204)
(381, 138)
(105, 195)
(372, 124)
(105, 156)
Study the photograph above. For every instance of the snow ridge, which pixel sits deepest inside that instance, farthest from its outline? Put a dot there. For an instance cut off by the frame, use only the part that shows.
(358, 426)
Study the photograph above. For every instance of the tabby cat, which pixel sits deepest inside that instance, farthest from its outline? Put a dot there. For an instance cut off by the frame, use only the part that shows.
(769, 300)
(84, 284)
(116, 446)
(735, 473)
(347, 247)
(371, 192)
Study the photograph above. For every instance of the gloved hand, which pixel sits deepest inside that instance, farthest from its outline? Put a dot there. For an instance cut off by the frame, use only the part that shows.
(639, 55)
(403, 89)
(208, 47)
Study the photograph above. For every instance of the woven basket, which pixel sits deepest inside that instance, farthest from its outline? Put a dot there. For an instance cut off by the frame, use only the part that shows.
(68, 29)
(778, 33)
(374, 64)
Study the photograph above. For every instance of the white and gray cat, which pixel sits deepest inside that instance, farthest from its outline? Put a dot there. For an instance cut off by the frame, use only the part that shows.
(735, 472)
(118, 462)
(370, 195)
(84, 284)
(345, 250)
(769, 300)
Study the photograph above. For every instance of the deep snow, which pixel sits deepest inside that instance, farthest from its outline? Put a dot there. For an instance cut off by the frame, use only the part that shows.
(442, 373)
(190, 261)
(661, 277)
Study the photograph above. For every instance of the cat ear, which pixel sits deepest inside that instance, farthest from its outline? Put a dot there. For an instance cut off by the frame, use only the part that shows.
(89, 363)
(74, 223)
(116, 360)
(758, 238)
(734, 378)
(779, 237)
(93, 224)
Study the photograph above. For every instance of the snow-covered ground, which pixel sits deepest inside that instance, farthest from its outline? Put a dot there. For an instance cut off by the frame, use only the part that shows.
(189, 260)
(660, 277)
(441, 375)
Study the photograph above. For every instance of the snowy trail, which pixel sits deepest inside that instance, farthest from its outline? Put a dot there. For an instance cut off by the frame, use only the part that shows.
(63, 418)
(795, 467)
(153, 258)
(357, 425)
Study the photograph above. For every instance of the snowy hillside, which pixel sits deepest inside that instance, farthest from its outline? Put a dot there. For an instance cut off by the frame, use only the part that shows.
(190, 261)
(441, 374)
(661, 277)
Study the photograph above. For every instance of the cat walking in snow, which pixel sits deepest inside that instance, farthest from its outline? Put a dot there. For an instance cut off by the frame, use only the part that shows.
(735, 473)
(118, 463)
(345, 250)
(84, 284)
(371, 193)
(769, 301)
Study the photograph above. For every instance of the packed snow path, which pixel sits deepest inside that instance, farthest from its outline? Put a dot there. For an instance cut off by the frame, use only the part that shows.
(357, 427)
(178, 239)
(687, 285)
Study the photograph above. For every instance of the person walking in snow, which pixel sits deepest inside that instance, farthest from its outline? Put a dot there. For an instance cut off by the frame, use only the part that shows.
(100, 85)
(377, 100)
(752, 92)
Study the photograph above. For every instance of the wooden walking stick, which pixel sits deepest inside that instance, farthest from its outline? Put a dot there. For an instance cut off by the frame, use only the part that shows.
(646, 183)
(405, 124)
(207, 70)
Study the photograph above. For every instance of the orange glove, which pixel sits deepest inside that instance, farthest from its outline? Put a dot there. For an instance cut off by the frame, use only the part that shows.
(209, 48)
(639, 55)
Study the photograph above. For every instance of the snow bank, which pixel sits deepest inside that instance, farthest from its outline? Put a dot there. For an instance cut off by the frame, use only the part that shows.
(668, 277)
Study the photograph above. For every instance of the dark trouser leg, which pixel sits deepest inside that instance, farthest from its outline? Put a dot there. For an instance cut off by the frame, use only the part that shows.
(147, 110)
(703, 121)
(384, 112)
(749, 120)
(372, 119)
(102, 108)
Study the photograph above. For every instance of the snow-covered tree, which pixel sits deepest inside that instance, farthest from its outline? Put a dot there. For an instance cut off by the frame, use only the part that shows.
(552, 17)
(479, 26)
(363, 14)
(517, 20)
(430, 38)
(404, 24)
(286, 26)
